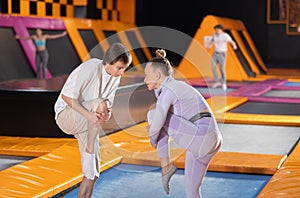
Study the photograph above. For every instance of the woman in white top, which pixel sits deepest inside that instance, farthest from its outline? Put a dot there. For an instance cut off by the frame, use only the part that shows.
(85, 103)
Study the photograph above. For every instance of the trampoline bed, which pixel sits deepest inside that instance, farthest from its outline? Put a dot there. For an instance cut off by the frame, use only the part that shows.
(7, 161)
(244, 110)
(268, 108)
(125, 181)
(259, 139)
(208, 92)
(283, 93)
(296, 84)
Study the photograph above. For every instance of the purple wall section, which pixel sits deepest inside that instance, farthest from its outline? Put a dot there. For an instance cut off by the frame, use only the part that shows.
(20, 25)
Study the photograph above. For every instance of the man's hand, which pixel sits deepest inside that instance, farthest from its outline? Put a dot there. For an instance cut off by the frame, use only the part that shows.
(103, 112)
(94, 121)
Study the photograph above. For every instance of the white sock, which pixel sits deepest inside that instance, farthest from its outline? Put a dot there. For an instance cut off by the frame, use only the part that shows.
(88, 165)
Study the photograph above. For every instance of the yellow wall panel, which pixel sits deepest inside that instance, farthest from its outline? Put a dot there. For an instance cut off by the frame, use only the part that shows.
(70, 11)
(41, 8)
(24, 8)
(109, 4)
(104, 14)
(127, 11)
(80, 2)
(63, 1)
(99, 3)
(56, 10)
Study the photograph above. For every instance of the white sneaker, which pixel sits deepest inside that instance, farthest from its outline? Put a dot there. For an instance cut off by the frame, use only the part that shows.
(224, 86)
(217, 84)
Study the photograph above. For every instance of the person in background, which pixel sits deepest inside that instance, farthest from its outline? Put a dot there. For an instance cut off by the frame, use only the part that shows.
(41, 55)
(182, 113)
(85, 103)
(220, 40)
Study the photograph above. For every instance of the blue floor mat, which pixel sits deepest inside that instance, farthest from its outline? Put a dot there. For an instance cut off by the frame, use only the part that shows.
(133, 181)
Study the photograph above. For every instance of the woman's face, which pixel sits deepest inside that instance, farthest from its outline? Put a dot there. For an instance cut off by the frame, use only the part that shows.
(152, 77)
(39, 32)
(116, 69)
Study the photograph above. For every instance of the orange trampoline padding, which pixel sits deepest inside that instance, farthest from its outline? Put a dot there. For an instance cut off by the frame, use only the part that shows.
(221, 104)
(33, 147)
(242, 162)
(133, 144)
(44, 176)
(56, 169)
(286, 181)
(246, 162)
(263, 119)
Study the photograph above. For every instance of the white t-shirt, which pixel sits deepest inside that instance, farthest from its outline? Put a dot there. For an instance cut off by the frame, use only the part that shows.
(88, 81)
(220, 41)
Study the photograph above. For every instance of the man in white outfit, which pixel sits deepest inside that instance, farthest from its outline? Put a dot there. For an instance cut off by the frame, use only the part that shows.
(85, 103)
(220, 40)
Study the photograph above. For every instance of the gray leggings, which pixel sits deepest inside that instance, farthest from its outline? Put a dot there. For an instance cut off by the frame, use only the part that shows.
(219, 57)
(41, 60)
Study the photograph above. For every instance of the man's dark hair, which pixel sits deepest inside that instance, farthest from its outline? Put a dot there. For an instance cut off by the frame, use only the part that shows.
(219, 26)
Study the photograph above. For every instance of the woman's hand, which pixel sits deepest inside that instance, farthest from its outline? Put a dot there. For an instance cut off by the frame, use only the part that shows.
(154, 145)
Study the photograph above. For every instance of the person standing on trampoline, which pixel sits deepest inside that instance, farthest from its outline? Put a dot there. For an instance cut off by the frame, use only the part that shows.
(182, 113)
(85, 103)
(41, 55)
(220, 40)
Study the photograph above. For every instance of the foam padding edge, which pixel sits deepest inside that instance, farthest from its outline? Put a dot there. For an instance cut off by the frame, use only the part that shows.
(32, 146)
(47, 174)
(286, 181)
(133, 144)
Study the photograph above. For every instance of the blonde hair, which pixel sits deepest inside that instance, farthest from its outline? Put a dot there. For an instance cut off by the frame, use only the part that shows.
(162, 63)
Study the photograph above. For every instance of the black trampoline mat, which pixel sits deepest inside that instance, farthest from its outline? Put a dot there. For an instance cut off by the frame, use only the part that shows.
(283, 93)
(268, 108)
(13, 62)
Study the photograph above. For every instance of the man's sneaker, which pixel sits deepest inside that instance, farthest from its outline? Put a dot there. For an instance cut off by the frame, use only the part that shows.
(224, 86)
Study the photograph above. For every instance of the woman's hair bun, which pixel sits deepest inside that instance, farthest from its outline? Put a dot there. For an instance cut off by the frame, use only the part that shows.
(160, 53)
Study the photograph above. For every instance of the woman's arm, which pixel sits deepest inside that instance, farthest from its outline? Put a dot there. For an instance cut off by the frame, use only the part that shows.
(55, 36)
(25, 37)
(163, 104)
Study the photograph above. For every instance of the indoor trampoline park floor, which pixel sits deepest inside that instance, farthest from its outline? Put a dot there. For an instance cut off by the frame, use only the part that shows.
(126, 180)
(254, 160)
